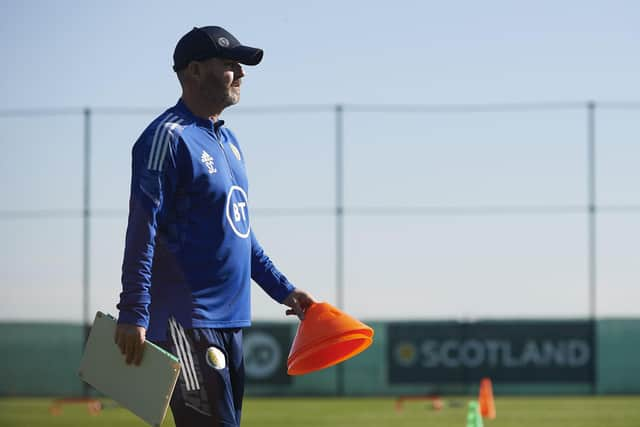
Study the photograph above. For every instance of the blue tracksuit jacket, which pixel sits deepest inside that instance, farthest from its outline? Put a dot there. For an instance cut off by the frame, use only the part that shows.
(190, 251)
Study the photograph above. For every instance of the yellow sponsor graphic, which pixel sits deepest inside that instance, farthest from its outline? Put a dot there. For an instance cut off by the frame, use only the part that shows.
(215, 358)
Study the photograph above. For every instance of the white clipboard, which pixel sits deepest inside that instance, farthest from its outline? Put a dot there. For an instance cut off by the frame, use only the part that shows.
(145, 389)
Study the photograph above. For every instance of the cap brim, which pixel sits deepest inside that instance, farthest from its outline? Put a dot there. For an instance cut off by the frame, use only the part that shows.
(245, 55)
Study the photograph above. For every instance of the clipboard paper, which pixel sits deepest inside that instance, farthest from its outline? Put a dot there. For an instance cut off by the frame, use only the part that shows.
(145, 389)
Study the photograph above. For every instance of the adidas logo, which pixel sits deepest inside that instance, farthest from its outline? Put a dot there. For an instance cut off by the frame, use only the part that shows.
(208, 161)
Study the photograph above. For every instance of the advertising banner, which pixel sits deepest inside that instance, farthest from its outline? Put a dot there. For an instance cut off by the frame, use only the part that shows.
(266, 347)
(521, 351)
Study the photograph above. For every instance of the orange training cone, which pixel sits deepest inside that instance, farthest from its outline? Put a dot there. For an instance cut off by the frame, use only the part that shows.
(326, 337)
(487, 404)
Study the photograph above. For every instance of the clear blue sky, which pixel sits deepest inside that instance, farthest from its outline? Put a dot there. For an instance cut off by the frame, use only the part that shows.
(118, 54)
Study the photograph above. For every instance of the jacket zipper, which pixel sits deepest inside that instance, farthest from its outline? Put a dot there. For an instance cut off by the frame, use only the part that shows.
(218, 138)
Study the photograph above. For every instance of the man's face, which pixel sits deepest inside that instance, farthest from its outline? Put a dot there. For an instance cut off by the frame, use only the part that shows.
(220, 81)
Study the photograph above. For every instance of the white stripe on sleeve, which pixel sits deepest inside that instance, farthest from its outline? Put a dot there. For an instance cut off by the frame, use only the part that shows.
(164, 146)
(156, 136)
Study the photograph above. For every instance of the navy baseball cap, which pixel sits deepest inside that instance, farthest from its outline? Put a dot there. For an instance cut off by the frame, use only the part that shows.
(212, 42)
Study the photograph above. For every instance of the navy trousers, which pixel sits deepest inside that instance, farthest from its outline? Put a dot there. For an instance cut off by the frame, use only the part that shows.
(210, 387)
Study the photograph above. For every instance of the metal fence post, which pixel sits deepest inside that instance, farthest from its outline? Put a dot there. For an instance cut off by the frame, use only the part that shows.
(339, 116)
(592, 233)
(86, 231)
(339, 207)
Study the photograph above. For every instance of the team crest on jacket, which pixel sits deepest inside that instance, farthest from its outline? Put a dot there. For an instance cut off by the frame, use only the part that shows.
(208, 161)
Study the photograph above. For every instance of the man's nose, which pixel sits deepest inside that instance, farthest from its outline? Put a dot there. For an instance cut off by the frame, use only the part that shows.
(239, 71)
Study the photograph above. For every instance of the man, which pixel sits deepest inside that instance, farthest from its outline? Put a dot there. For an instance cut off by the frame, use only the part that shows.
(190, 251)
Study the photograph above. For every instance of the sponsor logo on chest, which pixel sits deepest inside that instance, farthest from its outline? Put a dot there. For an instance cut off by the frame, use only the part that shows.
(238, 211)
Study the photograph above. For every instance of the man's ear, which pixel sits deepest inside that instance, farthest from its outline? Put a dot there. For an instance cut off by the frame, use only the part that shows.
(195, 70)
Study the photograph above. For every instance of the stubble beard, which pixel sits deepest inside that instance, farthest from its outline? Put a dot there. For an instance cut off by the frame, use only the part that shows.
(221, 95)
(232, 96)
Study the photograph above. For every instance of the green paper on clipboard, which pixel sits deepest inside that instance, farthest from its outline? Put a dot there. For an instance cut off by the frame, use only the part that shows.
(146, 389)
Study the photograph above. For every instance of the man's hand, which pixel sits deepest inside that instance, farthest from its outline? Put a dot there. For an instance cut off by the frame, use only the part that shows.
(298, 301)
(130, 339)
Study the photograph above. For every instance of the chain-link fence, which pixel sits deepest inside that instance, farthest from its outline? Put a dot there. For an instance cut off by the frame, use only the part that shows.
(416, 211)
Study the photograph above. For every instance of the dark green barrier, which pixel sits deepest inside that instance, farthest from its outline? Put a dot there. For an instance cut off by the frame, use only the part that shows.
(40, 359)
(266, 347)
(541, 357)
(619, 356)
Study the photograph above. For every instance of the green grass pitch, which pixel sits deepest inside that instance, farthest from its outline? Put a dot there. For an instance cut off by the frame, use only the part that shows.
(602, 411)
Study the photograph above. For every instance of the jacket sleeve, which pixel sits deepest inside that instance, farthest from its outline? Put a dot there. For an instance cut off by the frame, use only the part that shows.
(265, 273)
(151, 180)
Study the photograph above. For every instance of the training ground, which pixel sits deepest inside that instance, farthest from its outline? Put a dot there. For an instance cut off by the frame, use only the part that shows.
(607, 411)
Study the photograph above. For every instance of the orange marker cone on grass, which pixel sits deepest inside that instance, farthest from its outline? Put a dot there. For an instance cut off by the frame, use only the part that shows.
(485, 399)
(326, 337)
